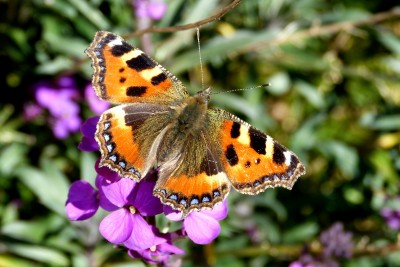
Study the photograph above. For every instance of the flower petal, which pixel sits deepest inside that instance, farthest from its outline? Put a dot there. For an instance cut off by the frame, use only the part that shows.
(170, 249)
(145, 202)
(172, 214)
(103, 200)
(120, 192)
(156, 10)
(117, 226)
(88, 129)
(201, 228)
(219, 211)
(142, 236)
(109, 175)
(97, 105)
(82, 202)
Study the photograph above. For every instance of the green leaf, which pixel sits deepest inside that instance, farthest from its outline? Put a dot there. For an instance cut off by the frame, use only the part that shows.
(345, 156)
(87, 163)
(93, 14)
(57, 65)
(27, 231)
(390, 40)
(384, 122)
(301, 233)
(11, 157)
(280, 83)
(51, 190)
(12, 261)
(38, 253)
(353, 195)
(310, 93)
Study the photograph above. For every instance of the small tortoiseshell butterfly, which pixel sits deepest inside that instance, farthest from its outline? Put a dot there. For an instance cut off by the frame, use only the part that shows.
(199, 152)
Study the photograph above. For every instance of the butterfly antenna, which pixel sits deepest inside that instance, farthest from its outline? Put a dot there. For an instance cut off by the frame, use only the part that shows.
(244, 89)
(201, 62)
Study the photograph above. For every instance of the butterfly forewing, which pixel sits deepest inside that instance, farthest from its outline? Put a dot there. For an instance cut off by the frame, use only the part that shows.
(124, 74)
(254, 161)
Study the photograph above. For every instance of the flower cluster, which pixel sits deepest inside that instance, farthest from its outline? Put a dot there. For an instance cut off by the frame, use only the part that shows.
(149, 9)
(392, 217)
(391, 213)
(131, 205)
(61, 100)
(336, 243)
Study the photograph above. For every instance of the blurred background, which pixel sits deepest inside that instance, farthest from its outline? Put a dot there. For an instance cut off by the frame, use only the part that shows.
(334, 67)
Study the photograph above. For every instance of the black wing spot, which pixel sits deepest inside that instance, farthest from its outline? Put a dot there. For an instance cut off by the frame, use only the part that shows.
(257, 141)
(136, 90)
(141, 62)
(119, 50)
(156, 80)
(235, 130)
(278, 156)
(231, 155)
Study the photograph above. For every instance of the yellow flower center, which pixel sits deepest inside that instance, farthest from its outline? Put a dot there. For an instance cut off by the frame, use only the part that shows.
(132, 209)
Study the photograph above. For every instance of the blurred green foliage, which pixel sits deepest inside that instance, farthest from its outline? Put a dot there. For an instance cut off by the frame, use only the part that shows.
(334, 67)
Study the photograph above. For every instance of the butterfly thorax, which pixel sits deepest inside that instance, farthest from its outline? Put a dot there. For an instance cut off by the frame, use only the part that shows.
(187, 123)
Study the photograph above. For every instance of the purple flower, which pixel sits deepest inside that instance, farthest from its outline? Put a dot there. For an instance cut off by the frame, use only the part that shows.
(159, 252)
(126, 224)
(60, 100)
(392, 217)
(82, 202)
(88, 129)
(97, 105)
(151, 9)
(307, 260)
(31, 111)
(299, 264)
(201, 227)
(336, 241)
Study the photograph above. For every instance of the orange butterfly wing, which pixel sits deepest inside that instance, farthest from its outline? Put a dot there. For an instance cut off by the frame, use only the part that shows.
(187, 191)
(124, 74)
(254, 161)
(120, 133)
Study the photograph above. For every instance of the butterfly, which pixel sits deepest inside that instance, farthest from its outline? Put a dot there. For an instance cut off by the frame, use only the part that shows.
(198, 152)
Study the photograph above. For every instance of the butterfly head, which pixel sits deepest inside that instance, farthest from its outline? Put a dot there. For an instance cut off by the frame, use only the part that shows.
(205, 93)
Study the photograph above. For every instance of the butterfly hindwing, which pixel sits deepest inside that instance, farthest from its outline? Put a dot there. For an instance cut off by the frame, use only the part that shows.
(124, 74)
(254, 161)
(189, 190)
(120, 134)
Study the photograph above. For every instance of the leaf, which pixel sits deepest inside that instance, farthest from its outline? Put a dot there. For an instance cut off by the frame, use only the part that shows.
(301, 233)
(12, 261)
(93, 14)
(27, 231)
(57, 65)
(39, 253)
(51, 190)
(346, 157)
(217, 49)
(87, 162)
(383, 122)
(310, 93)
(280, 83)
(11, 157)
(390, 40)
